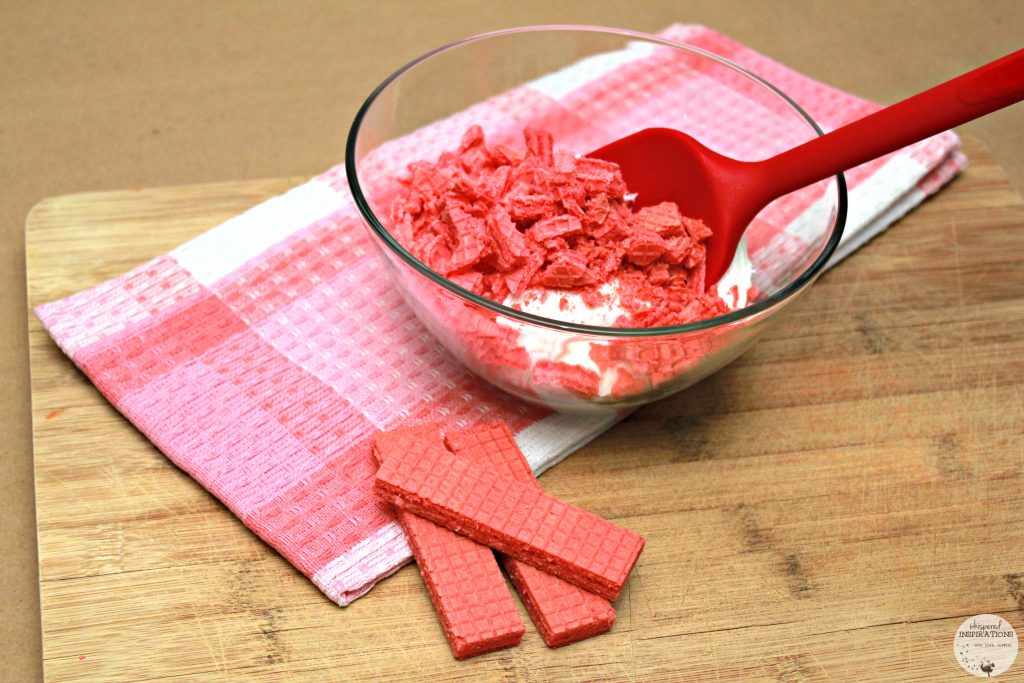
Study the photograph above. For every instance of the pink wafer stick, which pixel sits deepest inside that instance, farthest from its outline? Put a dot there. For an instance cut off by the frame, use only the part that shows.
(465, 583)
(512, 517)
(562, 612)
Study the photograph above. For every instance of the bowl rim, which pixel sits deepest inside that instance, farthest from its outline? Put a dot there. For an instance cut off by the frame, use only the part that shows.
(748, 311)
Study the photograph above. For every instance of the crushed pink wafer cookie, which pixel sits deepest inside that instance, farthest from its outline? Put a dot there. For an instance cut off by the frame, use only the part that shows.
(513, 517)
(498, 222)
(465, 584)
(562, 612)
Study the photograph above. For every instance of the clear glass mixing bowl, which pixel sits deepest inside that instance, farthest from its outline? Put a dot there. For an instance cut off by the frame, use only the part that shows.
(588, 86)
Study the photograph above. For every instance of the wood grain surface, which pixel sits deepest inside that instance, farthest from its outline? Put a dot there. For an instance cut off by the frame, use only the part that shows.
(829, 507)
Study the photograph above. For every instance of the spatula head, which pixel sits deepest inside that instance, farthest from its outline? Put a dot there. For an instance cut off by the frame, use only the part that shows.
(664, 165)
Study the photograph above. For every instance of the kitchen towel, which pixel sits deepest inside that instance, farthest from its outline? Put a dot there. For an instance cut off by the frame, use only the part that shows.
(261, 356)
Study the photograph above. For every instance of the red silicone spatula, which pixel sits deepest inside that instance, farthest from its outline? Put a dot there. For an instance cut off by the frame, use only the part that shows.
(661, 164)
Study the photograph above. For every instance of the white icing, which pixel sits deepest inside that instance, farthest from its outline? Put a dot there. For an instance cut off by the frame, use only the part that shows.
(739, 275)
(543, 344)
(568, 306)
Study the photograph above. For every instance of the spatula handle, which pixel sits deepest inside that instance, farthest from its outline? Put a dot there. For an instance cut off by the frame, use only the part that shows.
(990, 87)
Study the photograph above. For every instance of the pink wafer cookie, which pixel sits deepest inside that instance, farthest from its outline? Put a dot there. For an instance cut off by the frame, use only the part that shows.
(512, 517)
(465, 583)
(562, 612)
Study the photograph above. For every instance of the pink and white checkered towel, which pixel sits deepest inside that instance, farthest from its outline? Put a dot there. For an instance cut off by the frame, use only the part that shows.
(262, 356)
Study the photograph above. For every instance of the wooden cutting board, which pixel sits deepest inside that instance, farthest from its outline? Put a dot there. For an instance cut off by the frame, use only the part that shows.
(830, 506)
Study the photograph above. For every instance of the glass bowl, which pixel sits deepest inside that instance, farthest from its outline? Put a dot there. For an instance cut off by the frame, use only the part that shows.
(588, 86)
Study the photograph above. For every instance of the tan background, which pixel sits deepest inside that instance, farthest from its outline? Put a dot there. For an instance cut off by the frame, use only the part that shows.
(143, 94)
